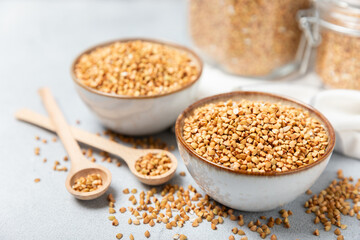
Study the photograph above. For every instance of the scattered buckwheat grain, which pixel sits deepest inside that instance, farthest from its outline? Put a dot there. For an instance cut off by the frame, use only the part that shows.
(115, 222)
(182, 237)
(37, 151)
(333, 202)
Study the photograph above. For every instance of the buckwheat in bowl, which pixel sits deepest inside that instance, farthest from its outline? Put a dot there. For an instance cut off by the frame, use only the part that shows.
(254, 151)
(137, 86)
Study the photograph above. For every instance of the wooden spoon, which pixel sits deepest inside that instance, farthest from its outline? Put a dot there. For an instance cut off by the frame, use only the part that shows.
(80, 166)
(129, 155)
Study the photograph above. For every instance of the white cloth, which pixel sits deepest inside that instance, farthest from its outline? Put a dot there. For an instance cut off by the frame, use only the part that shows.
(341, 107)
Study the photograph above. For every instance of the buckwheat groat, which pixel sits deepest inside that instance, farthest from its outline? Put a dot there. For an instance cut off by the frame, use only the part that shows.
(247, 37)
(91, 183)
(136, 68)
(338, 60)
(255, 136)
(153, 164)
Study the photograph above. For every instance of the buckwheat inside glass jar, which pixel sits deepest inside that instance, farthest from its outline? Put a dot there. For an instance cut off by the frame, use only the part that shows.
(254, 38)
(338, 52)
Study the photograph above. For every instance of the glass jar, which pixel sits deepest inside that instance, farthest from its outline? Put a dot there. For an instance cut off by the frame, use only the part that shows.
(335, 31)
(253, 38)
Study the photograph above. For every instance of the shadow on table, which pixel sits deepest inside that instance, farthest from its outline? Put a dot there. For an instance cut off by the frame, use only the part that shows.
(100, 202)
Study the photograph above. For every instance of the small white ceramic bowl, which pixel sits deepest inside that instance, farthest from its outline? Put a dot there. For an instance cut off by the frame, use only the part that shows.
(140, 115)
(240, 189)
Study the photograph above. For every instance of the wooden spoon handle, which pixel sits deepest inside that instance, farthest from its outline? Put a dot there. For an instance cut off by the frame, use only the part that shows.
(80, 135)
(62, 128)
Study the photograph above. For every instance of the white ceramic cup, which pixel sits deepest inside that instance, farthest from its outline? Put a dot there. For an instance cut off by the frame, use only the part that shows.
(244, 190)
(138, 115)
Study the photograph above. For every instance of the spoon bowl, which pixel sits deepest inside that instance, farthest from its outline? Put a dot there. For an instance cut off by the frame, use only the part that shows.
(153, 180)
(97, 169)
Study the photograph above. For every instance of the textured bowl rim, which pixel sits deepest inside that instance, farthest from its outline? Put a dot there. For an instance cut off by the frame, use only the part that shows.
(216, 98)
(169, 44)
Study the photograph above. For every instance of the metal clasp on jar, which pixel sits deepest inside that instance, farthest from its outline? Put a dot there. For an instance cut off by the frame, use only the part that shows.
(309, 23)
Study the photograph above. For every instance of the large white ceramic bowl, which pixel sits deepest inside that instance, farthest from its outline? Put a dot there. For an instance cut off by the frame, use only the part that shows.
(243, 190)
(138, 115)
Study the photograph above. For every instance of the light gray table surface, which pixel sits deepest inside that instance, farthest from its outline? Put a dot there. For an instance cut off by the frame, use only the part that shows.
(38, 41)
